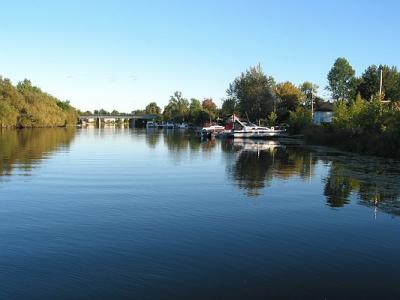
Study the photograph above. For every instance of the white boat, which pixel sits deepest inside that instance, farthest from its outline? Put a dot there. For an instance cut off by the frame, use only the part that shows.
(151, 124)
(212, 129)
(250, 130)
(181, 126)
(167, 125)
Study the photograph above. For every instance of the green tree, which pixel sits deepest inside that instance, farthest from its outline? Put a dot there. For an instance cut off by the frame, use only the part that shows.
(342, 80)
(309, 91)
(25, 105)
(103, 112)
(177, 108)
(229, 107)
(289, 98)
(299, 119)
(253, 91)
(210, 107)
(360, 117)
(195, 105)
(272, 118)
(153, 109)
(8, 115)
(194, 111)
(370, 81)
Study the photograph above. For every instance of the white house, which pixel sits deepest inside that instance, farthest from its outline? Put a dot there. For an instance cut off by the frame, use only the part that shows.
(321, 117)
(323, 112)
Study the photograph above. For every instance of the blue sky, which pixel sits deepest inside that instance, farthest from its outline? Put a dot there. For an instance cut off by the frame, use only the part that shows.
(124, 54)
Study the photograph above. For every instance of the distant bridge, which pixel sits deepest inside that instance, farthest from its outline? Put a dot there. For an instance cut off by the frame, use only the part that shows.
(110, 118)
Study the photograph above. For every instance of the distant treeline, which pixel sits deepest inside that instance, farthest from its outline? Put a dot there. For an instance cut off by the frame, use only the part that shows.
(366, 117)
(25, 105)
(252, 95)
(102, 112)
(256, 96)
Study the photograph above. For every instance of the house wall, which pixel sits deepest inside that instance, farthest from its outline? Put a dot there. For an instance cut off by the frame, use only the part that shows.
(322, 117)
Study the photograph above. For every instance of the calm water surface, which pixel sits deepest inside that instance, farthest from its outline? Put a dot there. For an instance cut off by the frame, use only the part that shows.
(119, 213)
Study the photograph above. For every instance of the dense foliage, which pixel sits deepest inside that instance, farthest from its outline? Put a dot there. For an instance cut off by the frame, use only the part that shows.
(26, 105)
(290, 97)
(369, 82)
(179, 109)
(252, 96)
(253, 91)
(299, 119)
(153, 109)
(341, 79)
(370, 127)
(365, 119)
(344, 85)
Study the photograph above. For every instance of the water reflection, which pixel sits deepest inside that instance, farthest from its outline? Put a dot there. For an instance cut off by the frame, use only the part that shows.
(250, 165)
(374, 182)
(152, 137)
(257, 163)
(23, 149)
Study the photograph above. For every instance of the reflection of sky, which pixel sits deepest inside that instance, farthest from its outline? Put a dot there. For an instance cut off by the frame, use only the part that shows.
(131, 161)
(117, 212)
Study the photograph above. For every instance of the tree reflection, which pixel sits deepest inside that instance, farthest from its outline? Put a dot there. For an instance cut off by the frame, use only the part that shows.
(372, 181)
(25, 148)
(182, 145)
(176, 141)
(256, 163)
(153, 137)
(252, 169)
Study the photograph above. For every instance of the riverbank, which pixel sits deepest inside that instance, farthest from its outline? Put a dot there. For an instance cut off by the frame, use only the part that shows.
(377, 144)
(26, 106)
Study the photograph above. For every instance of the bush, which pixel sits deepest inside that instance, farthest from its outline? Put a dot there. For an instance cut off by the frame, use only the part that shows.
(272, 117)
(299, 120)
(364, 127)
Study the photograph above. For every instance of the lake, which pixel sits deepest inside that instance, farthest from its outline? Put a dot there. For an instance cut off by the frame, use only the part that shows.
(124, 213)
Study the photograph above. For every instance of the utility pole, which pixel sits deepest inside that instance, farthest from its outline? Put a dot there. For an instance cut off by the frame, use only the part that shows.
(380, 86)
(312, 106)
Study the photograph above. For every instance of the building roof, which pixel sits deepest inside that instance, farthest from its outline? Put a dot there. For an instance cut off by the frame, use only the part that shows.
(323, 106)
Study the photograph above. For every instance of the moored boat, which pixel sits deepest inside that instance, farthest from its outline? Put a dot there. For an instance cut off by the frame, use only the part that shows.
(249, 130)
(151, 124)
(211, 130)
(167, 125)
(181, 126)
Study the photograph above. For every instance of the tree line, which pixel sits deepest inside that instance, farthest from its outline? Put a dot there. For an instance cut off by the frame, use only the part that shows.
(345, 85)
(366, 115)
(25, 105)
(253, 95)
